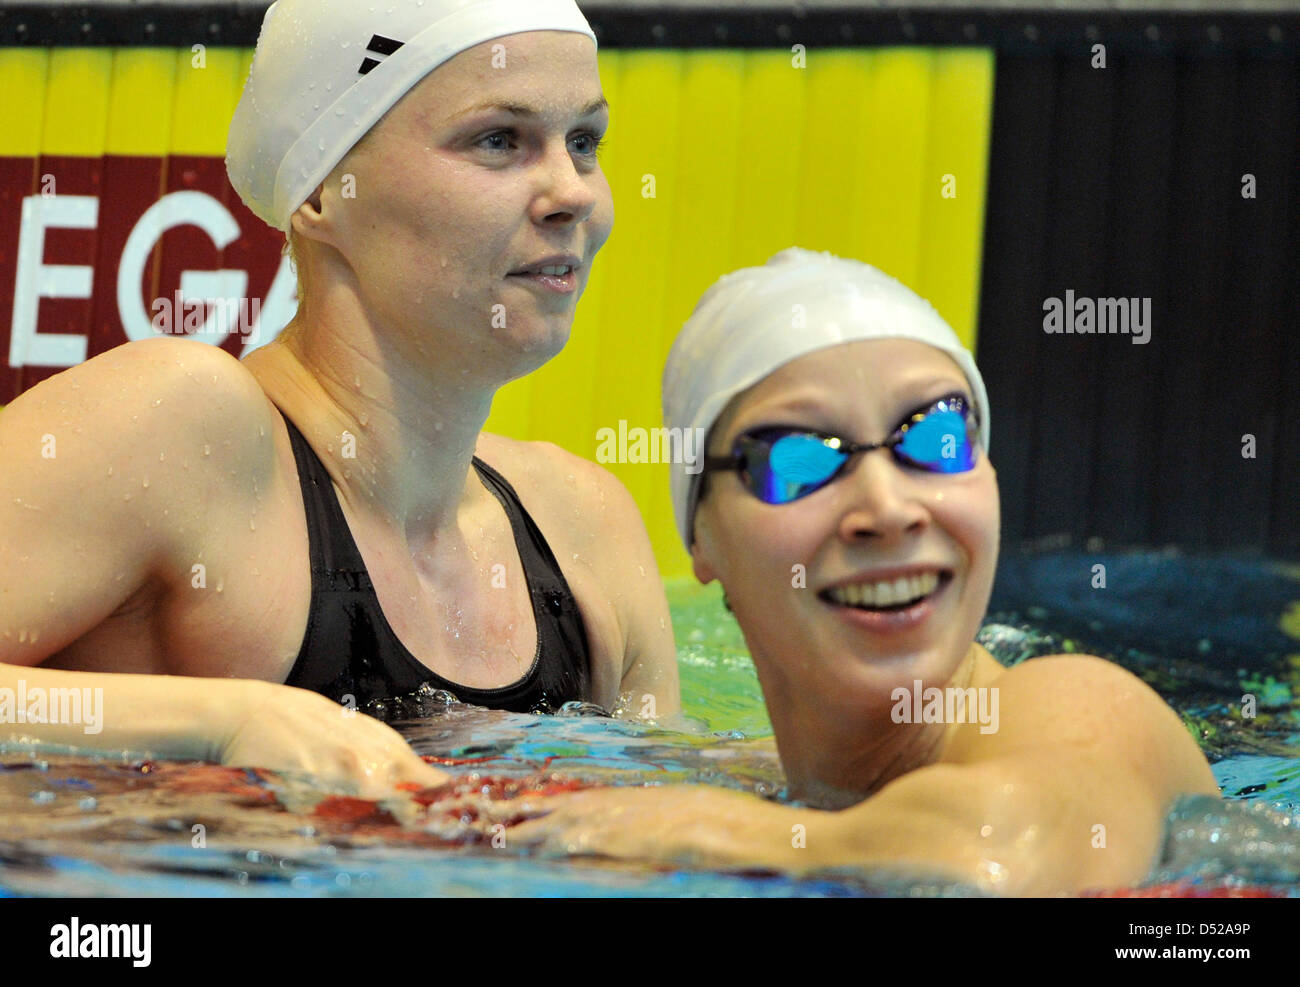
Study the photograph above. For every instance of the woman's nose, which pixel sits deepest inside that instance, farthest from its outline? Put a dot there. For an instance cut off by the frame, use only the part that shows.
(879, 500)
(565, 196)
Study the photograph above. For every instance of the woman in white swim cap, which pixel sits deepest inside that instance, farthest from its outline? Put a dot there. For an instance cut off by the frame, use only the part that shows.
(850, 511)
(442, 257)
(356, 535)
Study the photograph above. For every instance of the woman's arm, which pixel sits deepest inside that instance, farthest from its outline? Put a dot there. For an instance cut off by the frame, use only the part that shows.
(1070, 793)
(238, 722)
(638, 654)
(78, 540)
(650, 676)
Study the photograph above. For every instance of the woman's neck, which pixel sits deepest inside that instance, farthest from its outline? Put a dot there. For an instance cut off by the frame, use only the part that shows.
(397, 437)
(834, 759)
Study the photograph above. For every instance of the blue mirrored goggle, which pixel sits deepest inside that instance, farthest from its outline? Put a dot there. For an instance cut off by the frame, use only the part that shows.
(780, 464)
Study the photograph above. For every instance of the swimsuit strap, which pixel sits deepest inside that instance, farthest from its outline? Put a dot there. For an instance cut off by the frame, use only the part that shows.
(349, 648)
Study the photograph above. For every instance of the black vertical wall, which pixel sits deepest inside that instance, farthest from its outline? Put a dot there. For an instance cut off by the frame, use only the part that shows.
(1127, 182)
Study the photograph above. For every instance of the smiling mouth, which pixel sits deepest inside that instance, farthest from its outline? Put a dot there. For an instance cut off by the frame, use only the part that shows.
(887, 595)
(556, 270)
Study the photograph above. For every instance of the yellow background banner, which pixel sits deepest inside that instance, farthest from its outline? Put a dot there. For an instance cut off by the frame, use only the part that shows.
(746, 152)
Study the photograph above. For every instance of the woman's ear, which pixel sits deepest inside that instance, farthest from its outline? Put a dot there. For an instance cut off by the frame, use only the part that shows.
(308, 220)
(700, 562)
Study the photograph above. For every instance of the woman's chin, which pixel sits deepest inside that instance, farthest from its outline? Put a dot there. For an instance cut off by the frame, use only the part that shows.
(534, 349)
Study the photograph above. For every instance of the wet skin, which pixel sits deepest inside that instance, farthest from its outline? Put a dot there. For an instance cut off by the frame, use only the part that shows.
(1069, 792)
(172, 454)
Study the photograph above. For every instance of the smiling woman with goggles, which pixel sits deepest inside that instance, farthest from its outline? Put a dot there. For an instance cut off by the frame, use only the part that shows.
(779, 464)
(860, 606)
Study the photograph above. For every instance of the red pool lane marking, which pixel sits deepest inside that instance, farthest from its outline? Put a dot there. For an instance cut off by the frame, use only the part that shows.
(361, 816)
(349, 811)
(497, 789)
(1185, 891)
(246, 784)
(358, 813)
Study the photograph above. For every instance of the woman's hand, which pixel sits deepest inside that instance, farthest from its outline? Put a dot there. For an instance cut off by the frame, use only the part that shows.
(686, 825)
(288, 729)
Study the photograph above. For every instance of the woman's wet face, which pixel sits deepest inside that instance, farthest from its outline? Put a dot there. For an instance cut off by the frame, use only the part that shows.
(485, 168)
(781, 565)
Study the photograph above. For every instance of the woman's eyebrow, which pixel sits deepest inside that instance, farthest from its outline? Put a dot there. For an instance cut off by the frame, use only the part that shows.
(520, 110)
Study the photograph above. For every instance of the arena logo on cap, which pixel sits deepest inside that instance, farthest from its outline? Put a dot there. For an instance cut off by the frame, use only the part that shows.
(380, 46)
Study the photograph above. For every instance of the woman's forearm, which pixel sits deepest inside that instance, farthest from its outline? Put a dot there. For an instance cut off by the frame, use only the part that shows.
(699, 826)
(167, 716)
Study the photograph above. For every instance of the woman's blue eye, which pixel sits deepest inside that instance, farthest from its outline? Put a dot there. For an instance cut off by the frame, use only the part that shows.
(504, 136)
(591, 143)
(505, 140)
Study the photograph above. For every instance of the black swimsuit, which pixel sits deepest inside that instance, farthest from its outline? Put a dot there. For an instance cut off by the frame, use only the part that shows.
(350, 649)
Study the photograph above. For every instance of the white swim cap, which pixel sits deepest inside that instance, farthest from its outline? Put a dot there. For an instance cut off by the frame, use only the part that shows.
(326, 71)
(754, 320)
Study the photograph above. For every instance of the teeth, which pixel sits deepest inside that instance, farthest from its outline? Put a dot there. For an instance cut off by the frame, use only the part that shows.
(556, 270)
(887, 593)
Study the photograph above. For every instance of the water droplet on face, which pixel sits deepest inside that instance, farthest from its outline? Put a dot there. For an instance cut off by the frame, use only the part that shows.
(252, 525)
(364, 419)
(221, 584)
(110, 471)
(157, 401)
(145, 483)
(207, 451)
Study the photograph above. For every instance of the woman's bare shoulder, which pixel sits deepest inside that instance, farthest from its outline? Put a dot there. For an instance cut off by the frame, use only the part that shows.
(1086, 702)
(556, 482)
(166, 394)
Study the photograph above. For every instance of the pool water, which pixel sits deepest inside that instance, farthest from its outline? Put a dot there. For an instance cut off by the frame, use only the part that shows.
(1203, 631)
